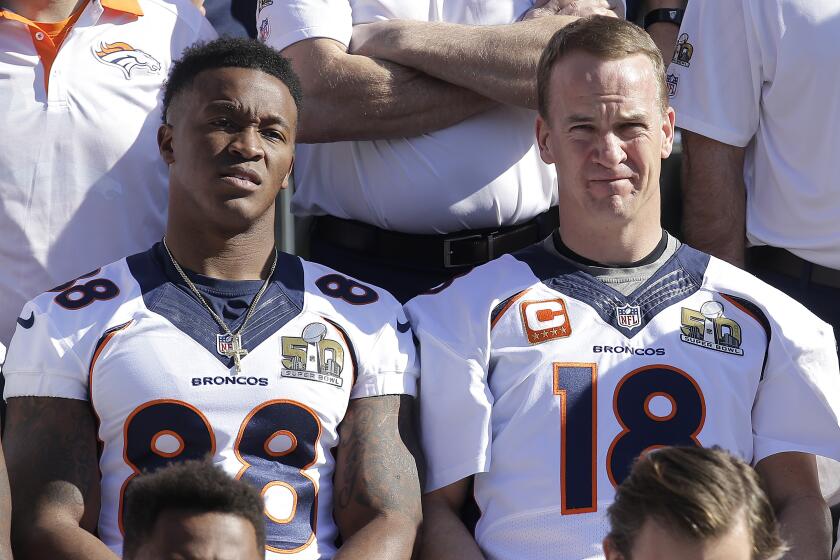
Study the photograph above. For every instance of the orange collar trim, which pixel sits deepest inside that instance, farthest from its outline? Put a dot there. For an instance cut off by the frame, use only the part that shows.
(14, 17)
(128, 6)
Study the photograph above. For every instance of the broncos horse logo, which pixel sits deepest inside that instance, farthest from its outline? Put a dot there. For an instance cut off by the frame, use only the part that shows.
(126, 57)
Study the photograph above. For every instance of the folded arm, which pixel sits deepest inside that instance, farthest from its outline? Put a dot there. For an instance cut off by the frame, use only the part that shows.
(350, 97)
(793, 487)
(377, 480)
(53, 471)
(496, 61)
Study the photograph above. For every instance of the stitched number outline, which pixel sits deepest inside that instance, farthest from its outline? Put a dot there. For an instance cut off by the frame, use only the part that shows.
(642, 430)
(161, 432)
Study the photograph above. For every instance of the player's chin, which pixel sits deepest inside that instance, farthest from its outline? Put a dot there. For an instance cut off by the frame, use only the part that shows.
(236, 215)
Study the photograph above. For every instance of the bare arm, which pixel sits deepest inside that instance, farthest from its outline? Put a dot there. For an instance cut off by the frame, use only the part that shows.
(497, 61)
(5, 512)
(444, 535)
(349, 97)
(51, 451)
(663, 34)
(377, 479)
(793, 487)
(714, 197)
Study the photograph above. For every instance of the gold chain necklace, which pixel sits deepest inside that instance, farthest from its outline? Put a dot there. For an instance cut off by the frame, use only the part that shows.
(230, 343)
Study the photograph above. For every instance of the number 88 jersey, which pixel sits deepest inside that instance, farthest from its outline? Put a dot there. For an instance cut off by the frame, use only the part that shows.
(546, 384)
(135, 342)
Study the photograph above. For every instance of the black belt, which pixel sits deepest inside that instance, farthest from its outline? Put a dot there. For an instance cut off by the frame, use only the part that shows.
(463, 248)
(785, 262)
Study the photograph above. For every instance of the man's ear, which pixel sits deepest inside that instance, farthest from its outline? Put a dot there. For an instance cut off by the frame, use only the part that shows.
(609, 550)
(164, 140)
(285, 183)
(668, 123)
(544, 141)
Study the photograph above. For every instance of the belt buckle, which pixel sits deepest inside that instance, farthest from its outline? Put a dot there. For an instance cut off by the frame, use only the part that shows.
(447, 249)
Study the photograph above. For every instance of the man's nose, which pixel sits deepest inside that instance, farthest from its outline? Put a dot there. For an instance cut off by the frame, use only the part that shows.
(247, 144)
(609, 151)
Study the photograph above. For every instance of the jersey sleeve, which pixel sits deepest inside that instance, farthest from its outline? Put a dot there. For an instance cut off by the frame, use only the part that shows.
(715, 77)
(453, 331)
(797, 407)
(284, 22)
(387, 361)
(42, 361)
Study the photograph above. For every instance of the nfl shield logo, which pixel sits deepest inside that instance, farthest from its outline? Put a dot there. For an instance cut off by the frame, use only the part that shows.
(629, 316)
(224, 344)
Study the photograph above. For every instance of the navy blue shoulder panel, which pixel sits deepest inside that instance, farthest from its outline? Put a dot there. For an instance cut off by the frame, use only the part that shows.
(165, 293)
(679, 277)
(756, 313)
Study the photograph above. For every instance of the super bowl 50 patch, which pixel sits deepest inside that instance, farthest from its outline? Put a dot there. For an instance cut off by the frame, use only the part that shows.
(683, 52)
(710, 329)
(312, 356)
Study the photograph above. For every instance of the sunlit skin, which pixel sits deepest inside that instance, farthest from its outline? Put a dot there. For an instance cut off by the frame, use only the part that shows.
(656, 542)
(606, 133)
(186, 535)
(229, 144)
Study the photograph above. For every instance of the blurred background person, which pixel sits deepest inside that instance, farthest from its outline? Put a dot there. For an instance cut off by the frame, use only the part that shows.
(419, 159)
(757, 98)
(81, 181)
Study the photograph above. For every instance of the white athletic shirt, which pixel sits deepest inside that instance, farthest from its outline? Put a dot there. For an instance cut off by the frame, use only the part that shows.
(81, 179)
(546, 384)
(131, 339)
(763, 74)
(483, 172)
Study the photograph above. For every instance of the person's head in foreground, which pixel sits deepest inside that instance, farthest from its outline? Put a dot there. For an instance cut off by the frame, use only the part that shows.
(230, 111)
(691, 503)
(604, 121)
(193, 511)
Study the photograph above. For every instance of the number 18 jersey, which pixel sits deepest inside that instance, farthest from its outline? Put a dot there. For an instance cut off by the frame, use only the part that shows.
(134, 341)
(546, 384)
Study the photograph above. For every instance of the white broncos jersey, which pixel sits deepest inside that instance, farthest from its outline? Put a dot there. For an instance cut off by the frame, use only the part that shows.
(133, 340)
(546, 384)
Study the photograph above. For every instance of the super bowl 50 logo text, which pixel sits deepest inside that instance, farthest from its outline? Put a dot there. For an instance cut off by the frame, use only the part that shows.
(312, 356)
(710, 329)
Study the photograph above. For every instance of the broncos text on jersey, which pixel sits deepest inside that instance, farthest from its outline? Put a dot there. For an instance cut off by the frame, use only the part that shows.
(131, 339)
(546, 384)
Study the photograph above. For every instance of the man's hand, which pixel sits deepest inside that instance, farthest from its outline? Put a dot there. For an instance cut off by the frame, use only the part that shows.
(579, 8)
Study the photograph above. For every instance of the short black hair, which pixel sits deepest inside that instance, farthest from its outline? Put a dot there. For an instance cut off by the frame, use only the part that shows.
(191, 486)
(228, 52)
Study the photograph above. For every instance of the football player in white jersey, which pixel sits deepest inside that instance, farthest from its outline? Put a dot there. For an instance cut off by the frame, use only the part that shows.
(547, 372)
(290, 376)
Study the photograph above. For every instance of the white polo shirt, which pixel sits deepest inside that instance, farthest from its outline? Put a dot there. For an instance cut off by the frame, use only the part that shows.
(81, 179)
(763, 74)
(483, 172)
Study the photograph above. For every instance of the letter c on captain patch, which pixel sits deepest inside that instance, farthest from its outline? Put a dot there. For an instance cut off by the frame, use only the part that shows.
(545, 320)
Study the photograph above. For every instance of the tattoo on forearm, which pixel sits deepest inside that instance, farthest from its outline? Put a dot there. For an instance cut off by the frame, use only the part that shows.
(381, 460)
(51, 450)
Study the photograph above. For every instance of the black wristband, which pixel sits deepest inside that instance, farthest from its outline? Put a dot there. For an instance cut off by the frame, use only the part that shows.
(667, 15)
